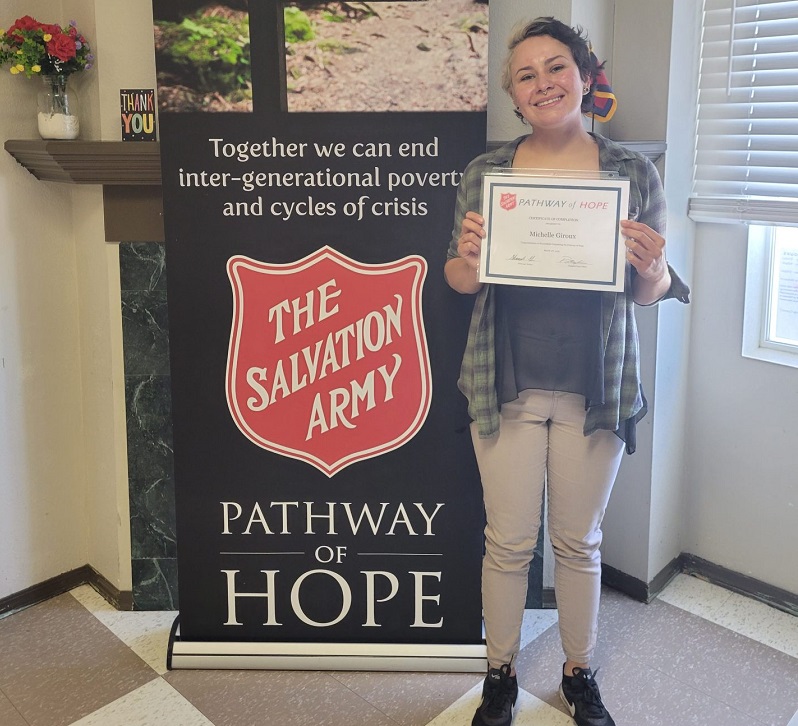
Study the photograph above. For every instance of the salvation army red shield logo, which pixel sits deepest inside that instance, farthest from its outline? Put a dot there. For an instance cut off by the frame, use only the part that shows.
(328, 359)
(507, 200)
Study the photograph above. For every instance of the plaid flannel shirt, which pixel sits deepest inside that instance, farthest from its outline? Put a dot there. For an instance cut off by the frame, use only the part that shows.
(623, 393)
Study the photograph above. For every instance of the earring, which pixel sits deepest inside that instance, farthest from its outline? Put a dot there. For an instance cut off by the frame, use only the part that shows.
(585, 90)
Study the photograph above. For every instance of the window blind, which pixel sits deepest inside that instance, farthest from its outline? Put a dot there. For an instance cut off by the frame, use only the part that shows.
(746, 162)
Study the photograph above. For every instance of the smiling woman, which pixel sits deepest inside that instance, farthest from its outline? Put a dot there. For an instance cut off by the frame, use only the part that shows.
(552, 374)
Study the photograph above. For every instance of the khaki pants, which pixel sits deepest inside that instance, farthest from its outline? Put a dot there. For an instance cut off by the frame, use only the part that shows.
(541, 442)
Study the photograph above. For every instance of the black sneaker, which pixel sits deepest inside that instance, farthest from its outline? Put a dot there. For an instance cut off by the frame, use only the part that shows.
(499, 694)
(580, 693)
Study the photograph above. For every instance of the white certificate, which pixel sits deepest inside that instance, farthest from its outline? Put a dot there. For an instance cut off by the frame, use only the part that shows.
(554, 231)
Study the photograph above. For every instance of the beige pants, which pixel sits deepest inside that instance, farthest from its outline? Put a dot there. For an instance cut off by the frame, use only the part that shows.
(541, 442)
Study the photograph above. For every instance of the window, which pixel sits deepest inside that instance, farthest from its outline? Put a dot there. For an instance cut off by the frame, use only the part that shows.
(770, 327)
(746, 157)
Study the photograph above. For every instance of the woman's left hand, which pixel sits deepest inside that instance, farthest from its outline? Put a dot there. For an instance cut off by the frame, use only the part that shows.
(645, 250)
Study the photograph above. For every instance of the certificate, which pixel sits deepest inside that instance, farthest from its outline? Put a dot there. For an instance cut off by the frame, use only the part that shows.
(554, 231)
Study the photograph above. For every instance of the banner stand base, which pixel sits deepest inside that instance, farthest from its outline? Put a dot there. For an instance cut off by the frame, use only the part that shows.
(324, 656)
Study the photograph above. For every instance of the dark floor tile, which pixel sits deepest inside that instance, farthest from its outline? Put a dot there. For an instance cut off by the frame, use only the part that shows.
(247, 698)
(9, 716)
(730, 668)
(59, 663)
(661, 665)
(539, 666)
(749, 676)
(411, 699)
(639, 695)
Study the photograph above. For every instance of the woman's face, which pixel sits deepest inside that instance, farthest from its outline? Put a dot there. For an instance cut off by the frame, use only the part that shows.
(546, 84)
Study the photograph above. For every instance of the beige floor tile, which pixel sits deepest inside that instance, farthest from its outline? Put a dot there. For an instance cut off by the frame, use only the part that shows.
(529, 711)
(536, 622)
(154, 704)
(695, 595)
(760, 622)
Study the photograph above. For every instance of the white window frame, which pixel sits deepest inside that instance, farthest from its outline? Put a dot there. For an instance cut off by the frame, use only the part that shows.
(758, 295)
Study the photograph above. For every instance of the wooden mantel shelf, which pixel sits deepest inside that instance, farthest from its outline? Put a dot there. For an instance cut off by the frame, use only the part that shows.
(129, 172)
(90, 162)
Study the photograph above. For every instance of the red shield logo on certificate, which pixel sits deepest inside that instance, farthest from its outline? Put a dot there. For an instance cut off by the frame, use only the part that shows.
(328, 359)
(507, 201)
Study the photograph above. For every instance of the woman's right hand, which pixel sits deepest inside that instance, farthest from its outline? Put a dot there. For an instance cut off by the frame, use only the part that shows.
(472, 232)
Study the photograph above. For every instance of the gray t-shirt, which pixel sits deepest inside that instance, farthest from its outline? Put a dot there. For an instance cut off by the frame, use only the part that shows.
(549, 339)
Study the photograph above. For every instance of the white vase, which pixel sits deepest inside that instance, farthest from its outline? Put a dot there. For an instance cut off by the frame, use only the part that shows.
(58, 109)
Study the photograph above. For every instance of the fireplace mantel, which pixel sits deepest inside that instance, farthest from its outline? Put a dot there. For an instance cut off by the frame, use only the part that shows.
(129, 172)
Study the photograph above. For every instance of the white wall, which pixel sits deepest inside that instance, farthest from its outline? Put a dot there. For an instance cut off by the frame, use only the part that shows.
(643, 527)
(125, 59)
(42, 463)
(63, 460)
(741, 474)
(723, 431)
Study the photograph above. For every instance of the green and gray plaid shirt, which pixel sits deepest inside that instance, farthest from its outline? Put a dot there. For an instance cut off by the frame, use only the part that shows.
(624, 402)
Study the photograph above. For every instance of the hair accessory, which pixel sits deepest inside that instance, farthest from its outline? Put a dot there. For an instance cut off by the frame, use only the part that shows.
(604, 101)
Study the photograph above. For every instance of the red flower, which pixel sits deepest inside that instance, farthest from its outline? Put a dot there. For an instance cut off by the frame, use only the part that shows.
(62, 47)
(51, 29)
(24, 23)
(73, 31)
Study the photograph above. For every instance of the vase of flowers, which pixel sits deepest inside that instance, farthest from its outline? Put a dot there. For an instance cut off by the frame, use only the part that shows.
(54, 53)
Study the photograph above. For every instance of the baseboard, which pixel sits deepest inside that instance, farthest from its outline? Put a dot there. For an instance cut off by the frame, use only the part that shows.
(742, 584)
(638, 589)
(715, 574)
(86, 575)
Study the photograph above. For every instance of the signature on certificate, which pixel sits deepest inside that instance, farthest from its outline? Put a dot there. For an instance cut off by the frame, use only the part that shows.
(521, 258)
(571, 262)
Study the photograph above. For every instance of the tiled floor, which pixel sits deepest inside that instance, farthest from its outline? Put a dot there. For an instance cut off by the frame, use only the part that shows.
(698, 655)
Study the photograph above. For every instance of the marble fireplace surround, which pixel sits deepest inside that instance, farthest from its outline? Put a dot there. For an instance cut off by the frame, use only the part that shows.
(130, 174)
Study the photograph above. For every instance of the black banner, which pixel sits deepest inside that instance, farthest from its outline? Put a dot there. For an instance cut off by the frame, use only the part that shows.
(326, 489)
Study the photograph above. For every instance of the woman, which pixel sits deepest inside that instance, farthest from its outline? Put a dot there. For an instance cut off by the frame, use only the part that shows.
(552, 376)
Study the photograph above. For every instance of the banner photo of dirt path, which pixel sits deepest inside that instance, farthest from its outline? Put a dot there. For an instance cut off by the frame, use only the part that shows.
(428, 55)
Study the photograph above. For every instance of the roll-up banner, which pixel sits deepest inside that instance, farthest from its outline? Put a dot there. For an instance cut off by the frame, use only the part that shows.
(328, 502)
